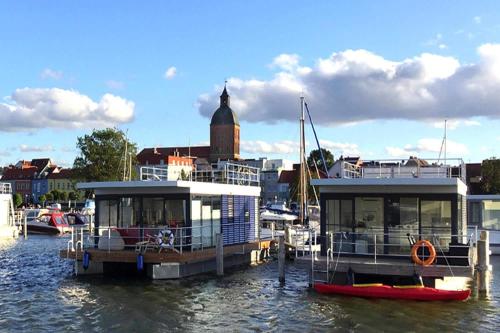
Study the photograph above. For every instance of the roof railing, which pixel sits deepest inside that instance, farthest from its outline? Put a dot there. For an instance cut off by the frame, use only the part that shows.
(412, 168)
(226, 173)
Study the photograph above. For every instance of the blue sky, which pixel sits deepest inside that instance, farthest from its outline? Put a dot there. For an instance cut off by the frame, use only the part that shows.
(379, 77)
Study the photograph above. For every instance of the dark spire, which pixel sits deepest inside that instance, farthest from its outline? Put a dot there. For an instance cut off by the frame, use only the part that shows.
(224, 98)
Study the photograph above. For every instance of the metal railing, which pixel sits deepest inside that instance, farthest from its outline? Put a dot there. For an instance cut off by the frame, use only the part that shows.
(227, 173)
(5, 188)
(178, 239)
(395, 168)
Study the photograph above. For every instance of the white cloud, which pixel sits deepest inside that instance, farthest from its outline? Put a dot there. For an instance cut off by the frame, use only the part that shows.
(358, 85)
(170, 73)
(430, 148)
(4, 152)
(454, 124)
(48, 73)
(442, 46)
(477, 19)
(343, 148)
(35, 108)
(25, 148)
(262, 147)
(116, 85)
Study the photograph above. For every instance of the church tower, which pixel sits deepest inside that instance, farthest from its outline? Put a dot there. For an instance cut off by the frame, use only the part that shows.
(224, 132)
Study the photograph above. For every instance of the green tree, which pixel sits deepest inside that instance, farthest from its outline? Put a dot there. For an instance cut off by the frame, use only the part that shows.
(49, 196)
(18, 199)
(63, 196)
(55, 195)
(42, 199)
(74, 196)
(102, 155)
(315, 155)
(490, 176)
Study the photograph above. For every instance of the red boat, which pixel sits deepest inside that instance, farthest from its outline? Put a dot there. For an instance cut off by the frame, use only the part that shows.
(49, 224)
(376, 290)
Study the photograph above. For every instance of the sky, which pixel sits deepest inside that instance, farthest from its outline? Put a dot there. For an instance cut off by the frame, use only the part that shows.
(379, 78)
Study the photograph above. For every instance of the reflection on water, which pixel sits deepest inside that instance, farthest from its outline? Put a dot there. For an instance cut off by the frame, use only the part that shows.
(38, 293)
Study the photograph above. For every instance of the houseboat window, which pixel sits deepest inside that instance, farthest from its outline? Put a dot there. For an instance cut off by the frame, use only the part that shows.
(369, 223)
(436, 220)
(108, 213)
(129, 211)
(175, 213)
(474, 211)
(152, 212)
(491, 214)
(402, 219)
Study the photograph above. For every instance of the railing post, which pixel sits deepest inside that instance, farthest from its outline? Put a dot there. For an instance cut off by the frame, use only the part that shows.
(375, 246)
(219, 254)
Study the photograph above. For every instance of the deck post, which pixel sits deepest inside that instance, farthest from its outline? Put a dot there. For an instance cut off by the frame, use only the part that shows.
(25, 227)
(483, 262)
(219, 254)
(281, 259)
(273, 228)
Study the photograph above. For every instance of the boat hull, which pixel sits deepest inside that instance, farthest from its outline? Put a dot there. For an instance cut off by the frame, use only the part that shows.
(389, 292)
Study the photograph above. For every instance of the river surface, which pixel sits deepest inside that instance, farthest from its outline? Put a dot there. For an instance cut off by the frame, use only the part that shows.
(39, 293)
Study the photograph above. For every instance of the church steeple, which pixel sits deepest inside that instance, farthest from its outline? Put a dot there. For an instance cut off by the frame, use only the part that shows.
(224, 98)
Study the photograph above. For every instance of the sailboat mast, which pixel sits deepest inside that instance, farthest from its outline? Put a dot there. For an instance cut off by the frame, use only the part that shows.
(303, 179)
(445, 140)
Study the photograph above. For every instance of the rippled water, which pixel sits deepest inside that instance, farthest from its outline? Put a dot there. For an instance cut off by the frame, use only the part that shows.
(39, 293)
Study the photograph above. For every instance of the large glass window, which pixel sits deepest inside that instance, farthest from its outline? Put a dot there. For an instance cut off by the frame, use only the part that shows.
(436, 221)
(402, 219)
(152, 212)
(491, 214)
(369, 224)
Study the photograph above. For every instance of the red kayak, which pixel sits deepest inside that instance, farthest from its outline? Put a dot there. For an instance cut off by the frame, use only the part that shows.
(417, 293)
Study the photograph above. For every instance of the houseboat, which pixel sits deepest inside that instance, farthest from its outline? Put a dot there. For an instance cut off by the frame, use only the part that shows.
(394, 222)
(168, 228)
(8, 217)
(483, 213)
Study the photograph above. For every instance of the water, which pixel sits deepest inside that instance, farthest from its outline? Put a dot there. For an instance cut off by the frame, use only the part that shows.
(38, 293)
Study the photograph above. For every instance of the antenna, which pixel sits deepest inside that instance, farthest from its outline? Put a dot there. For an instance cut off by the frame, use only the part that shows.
(443, 144)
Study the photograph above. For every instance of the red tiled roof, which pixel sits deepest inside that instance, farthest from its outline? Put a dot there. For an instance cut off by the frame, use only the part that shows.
(63, 174)
(155, 155)
(12, 173)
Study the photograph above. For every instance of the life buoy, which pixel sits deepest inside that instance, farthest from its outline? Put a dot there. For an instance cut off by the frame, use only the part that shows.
(165, 238)
(414, 253)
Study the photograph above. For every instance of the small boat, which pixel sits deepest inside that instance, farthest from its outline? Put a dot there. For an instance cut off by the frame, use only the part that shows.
(378, 290)
(48, 224)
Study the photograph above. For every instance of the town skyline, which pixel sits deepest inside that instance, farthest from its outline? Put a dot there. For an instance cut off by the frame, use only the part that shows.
(97, 68)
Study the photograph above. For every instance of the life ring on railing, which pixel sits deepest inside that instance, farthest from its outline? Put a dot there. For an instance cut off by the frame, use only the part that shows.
(414, 253)
(165, 238)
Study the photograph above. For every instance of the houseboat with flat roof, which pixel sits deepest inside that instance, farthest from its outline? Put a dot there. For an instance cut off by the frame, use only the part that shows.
(483, 213)
(375, 215)
(169, 228)
(9, 220)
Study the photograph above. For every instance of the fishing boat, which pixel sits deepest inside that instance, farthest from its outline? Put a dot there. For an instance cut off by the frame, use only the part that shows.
(379, 290)
(48, 224)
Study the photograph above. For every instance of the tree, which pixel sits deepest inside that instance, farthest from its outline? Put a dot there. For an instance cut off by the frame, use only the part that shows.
(63, 196)
(42, 199)
(102, 155)
(316, 156)
(18, 199)
(55, 195)
(490, 176)
(74, 195)
(49, 196)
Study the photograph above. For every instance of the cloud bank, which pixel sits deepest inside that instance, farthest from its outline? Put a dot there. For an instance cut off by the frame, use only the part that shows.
(30, 109)
(358, 85)
(428, 145)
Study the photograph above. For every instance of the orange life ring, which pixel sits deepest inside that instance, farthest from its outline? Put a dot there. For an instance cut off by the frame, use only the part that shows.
(414, 253)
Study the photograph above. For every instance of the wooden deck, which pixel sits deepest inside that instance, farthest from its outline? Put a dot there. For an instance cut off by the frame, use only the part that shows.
(387, 266)
(152, 256)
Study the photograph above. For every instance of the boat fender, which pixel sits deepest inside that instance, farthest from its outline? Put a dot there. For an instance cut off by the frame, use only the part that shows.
(414, 253)
(86, 260)
(165, 238)
(140, 262)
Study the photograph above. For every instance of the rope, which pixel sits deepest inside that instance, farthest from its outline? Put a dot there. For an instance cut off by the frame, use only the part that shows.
(338, 256)
(436, 240)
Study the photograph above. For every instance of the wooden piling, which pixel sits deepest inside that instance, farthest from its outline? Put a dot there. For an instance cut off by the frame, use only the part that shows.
(281, 259)
(25, 227)
(219, 254)
(483, 262)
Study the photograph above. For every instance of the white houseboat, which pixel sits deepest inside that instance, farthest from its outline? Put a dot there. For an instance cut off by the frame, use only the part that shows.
(484, 214)
(372, 214)
(8, 227)
(168, 228)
